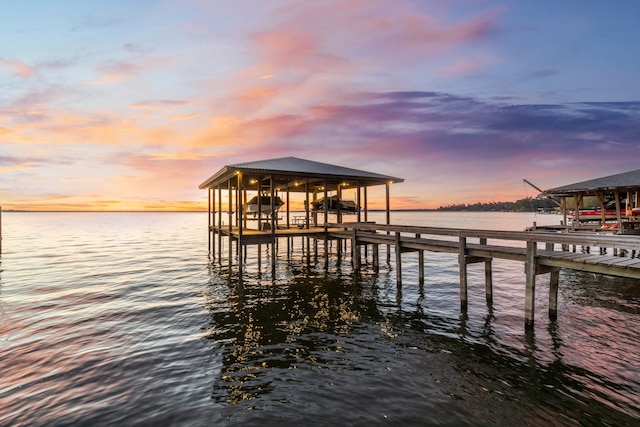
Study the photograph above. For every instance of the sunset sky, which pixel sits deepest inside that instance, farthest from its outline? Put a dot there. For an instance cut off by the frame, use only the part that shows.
(131, 104)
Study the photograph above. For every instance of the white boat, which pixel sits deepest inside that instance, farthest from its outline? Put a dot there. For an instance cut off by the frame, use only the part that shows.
(265, 205)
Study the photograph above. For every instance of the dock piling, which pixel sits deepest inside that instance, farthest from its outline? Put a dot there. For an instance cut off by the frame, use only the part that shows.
(420, 264)
(462, 260)
(398, 261)
(488, 275)
(554, 280)
(530, 286)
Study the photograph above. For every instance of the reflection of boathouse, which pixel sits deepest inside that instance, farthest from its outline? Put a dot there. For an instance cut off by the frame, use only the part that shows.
(256, 202)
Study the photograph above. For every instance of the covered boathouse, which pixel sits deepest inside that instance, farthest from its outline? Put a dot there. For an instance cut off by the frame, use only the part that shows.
(287, 196)
(617, 196)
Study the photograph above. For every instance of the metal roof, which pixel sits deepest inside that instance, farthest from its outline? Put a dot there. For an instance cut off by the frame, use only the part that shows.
(620, 182)
(292, 172)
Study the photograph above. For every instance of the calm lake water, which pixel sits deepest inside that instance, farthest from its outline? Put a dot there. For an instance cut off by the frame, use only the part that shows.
(125, 319)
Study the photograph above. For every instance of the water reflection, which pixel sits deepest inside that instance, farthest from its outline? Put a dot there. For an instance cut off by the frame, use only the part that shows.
(306, 317)
(266, 328)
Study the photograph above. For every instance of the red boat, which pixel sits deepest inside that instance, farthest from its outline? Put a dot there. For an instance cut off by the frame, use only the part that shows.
(596, 214)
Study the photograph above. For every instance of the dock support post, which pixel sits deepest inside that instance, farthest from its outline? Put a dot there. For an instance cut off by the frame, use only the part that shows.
(488, 276)
(462, 260)
(554, 280)
(355, 250)
(420, 265)
(398, 261)
(388, 217)
(530, 288)
(376, 257)
(219, 231)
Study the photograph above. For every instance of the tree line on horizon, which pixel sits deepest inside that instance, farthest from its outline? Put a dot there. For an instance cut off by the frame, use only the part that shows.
(528, 204)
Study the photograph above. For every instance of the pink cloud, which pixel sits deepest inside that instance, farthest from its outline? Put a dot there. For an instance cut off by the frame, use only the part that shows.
(17, 67)
(312, 51)
(335, 31)
(159, 104)
(469, 66)
(119, 71)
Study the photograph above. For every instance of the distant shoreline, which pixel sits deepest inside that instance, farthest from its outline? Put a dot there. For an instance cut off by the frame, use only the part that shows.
(202, 211)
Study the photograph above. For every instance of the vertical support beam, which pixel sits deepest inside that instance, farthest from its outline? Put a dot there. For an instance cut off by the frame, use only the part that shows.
(229, 207)
(488, 276)
(220, 224)
(307, 204)
(358, 202)
(239, 209)
(230, 226)
(388, 203)
(272, 205)
(603, 213)
(326, 206)
(355, 250)
(338, 203)
(628, 203)
(376, 257)
(212, 221)
(260, 227)
(325, 219)
(273, 225)
(554, 280)
(577, 199)
(564, 213)
(209, 217)
(244, 206)
(315, 211)
(219, 210)
(398, 261)
(462, 260)
(530, 287)
(366, 206)
(388, 216)
(288, 218)
(618, 215)
(240, 220)
(420, 265)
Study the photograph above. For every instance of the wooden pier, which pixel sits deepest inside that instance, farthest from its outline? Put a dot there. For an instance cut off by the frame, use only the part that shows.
(270, 179)
(540, 252)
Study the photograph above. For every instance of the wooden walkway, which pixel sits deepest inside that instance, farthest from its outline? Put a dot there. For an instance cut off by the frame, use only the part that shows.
(504, 246)
(617, 255)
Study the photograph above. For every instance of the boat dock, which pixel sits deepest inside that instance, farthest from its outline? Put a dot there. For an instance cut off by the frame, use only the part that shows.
(540, 252)
(264, 223)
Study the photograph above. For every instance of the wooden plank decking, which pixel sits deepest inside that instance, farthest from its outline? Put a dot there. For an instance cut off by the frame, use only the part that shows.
(602, 264)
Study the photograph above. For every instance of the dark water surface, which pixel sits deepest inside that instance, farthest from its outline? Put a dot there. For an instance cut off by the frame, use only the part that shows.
(124, 319)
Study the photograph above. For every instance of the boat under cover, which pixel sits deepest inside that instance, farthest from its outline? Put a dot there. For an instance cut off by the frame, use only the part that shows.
(345, 206)
(264, 206)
